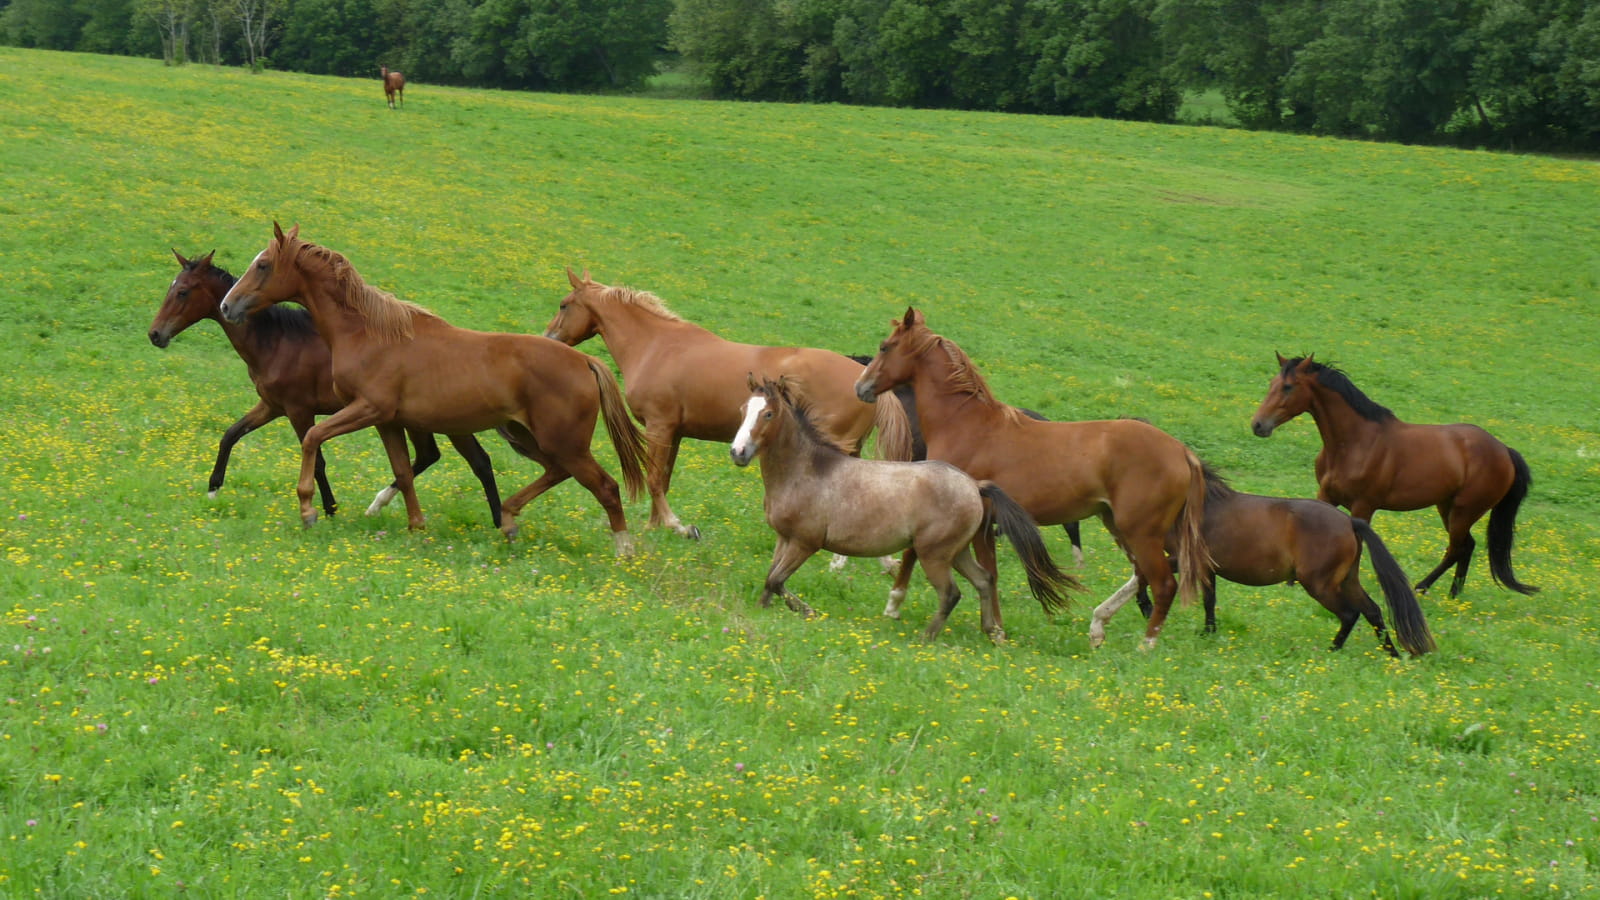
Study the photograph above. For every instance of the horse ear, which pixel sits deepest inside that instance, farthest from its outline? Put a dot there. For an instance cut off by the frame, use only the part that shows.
(1305, 364)
(755, 386)
(1281, 360)
(910, 319)
(206, 260)
(294, 232)
(574, 279)
(277, 231)
(181, 261)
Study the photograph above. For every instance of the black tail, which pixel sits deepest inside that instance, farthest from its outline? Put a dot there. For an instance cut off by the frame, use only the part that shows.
(1045, 579)
(1410, 628)
(1503, 527)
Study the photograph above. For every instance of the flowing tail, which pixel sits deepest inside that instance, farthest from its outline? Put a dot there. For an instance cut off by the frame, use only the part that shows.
(1045, 579)
(625, 435)
(1410, 628)
(1503, 527)
(893, 427)
(1194, 558)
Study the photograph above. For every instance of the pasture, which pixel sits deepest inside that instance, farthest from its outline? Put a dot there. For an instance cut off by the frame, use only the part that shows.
(201, 697)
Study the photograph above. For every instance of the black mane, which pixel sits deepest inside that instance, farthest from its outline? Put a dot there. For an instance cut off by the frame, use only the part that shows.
(1334, 379)
(270, 325)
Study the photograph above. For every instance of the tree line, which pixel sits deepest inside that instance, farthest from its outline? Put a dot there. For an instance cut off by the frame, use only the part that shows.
(1505, 73)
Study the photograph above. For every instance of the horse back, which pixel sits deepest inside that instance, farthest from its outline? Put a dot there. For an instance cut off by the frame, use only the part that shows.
(1417, 466)
(1258, 540)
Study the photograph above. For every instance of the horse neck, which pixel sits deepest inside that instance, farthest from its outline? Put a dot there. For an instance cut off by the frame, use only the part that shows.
(335, 319)
(942, 405)
(1338, 422)
(630, 330)
(240, 335)
(786, 456)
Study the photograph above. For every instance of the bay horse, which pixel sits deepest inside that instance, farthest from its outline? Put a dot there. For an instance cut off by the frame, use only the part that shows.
(919, 448)
(1139, 480)
(394, 86)
(1257, 541)
(1370, 460)
(818, 497)
(682, 381)
(401, 366)
(292, 370)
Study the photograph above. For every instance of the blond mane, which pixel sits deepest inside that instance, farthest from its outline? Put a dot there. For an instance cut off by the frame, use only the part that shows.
(388, 318)
(964, 377)
(642, 299)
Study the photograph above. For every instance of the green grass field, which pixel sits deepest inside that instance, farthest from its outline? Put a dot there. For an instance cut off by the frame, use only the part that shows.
(202, 698)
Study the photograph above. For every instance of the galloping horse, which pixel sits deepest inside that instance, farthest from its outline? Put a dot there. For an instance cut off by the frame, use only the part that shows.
(1139, 480)
(1257, 541)
(394, 86)
(292, 370)
(1371, 460)
(683, 381)
(404, 367)
(818, 497)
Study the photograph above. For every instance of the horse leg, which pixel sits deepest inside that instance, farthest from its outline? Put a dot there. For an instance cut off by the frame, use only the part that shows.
(1075, 537)
(302, 420)
(259, 415)
(1113, 603)
(1211, 606)
(1457, 552)
(357, 415)
(1150, 560)
(897, 591)
(787, 557)
(604, 489)
(662, 441)
(427, 454)
(394, 444)
(553, 475)
(478, 461)
(938, 572)
(1459, 526)
(984, 582)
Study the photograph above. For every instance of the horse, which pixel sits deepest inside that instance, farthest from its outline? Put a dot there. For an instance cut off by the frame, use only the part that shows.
(1257, 541)
(292, 370)
(819, 497)
(919, 448)
(401, 366)
(1139, 480)
(394, 86)
(683, 381)
(1371, 460)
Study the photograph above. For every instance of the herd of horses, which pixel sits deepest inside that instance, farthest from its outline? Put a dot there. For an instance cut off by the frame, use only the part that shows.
(957, 464)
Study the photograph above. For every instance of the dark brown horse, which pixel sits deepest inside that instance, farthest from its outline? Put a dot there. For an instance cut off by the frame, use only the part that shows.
(683, 381)
(1258, 541)
(394, 86)
(401, 366)
(1140, 481)
(818, 497)
(1371, 460)
(292, 370)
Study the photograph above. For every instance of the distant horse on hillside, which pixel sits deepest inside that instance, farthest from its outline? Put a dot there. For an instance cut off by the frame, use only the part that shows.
(394, 86)
(292, 370)
(1257, 540)
(683, 381)
(1371, 460)
(819, 497)
(1139, 480)
(401, 366)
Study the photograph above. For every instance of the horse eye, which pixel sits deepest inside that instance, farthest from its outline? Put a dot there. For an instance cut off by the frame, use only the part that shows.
(183, 294)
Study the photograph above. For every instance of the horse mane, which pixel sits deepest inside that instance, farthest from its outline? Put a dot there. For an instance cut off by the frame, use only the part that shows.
(1217, 486)
(1334, 379)
(965, 377)
(387, 317)
(266, 326)
(642, 299)
(782, 391)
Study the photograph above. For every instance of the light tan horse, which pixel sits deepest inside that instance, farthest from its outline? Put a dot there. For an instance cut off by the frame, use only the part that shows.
(400, 366)
(1371, 460)
(1140, 481)
(683, 381)
(818, 497)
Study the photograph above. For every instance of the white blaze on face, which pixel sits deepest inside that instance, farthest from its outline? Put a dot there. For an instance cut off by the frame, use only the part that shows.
(752, 411)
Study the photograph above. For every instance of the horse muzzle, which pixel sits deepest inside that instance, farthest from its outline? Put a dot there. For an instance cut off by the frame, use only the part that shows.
(234, 309)
(1263, 427)
(160, 338)
(866, 392)
(742, 455)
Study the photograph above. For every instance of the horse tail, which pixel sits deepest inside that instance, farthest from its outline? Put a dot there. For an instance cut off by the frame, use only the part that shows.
(1503, 527)
(1045, 578)
(625, 435)
(893, 426)
(1194, 558)
(1410, 628)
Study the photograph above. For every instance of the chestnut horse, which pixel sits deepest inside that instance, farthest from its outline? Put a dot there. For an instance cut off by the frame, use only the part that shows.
(1371, 460)
(819, 497)
(683, 381)
(292, 370)
(1257, 541)
(1139, 480)
(394, 86)
(401, 366)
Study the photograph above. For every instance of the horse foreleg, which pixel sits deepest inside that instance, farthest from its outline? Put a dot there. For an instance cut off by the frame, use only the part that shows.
(302, 420)
(478, 461)
(1109, 608)
(394, 443)
(902, 577)
(354, 417)
(259, 415)
(787, 557)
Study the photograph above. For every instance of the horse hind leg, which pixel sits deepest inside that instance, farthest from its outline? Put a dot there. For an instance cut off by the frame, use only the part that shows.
(663, 443)
(984, 582)
(787, 557)
(1458, 552)
(897, 591)
(938, 572)
(427, 448)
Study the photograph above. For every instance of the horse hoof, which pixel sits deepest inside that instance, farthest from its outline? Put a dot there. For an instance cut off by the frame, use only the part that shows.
(308, 519)
(381, 500)
(416, 524)
(1146, 645)
(837, 562)
(622, 544)
(510, 530)
(998, 636)
(690, 531)
(211, 495)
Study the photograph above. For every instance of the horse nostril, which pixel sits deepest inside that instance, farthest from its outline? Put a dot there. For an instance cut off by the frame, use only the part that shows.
(156, 338)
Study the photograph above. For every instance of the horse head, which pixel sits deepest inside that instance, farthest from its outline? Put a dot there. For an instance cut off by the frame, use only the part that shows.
(193, 296)
(1288, 395)
(272, 276)
(575, 321)
(895, 361)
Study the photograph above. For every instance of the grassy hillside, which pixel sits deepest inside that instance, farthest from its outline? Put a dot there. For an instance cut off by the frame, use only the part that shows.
(202, 697)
